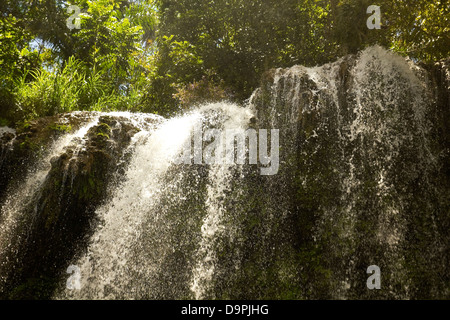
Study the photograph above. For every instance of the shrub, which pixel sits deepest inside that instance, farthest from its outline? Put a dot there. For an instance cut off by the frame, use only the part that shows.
(203, 91)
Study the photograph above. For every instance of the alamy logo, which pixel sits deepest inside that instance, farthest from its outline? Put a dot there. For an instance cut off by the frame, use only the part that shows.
(374, 281)
(74, 17)
(228, 147)
(374, 21)
(74, 281)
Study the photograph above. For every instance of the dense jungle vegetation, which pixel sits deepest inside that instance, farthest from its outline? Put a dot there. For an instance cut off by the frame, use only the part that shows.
(161, 56)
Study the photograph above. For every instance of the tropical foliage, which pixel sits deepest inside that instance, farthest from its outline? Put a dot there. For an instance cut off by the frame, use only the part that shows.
(163, 55)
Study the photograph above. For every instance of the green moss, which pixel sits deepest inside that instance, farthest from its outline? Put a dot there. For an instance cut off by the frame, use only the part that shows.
(103, 130)
(90, 188)
(91, 182)
(60, 127)
(28, 144)
(101, 134)
(4, 122)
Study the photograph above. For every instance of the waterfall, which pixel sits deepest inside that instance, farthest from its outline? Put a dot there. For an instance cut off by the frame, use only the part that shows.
(135, 206)
(131, 220)
(367, 162)
(16, 201)
(109, 261)
(219, 182)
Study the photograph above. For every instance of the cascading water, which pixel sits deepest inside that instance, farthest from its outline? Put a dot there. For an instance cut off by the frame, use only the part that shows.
(140, 213)
(113, 266)
(365, 164)
(12, 208)
(109, 265)
(219, 178)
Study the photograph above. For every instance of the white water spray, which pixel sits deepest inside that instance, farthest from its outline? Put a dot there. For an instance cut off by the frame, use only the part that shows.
(17, 200)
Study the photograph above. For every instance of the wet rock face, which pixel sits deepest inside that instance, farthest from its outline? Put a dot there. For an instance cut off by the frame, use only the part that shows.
(364, 174)
(6, 139)
(440, 82)
(62, 214)
(20, 150)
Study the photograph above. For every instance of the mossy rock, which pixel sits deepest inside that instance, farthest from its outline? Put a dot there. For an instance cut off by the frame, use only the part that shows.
(65, 207)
